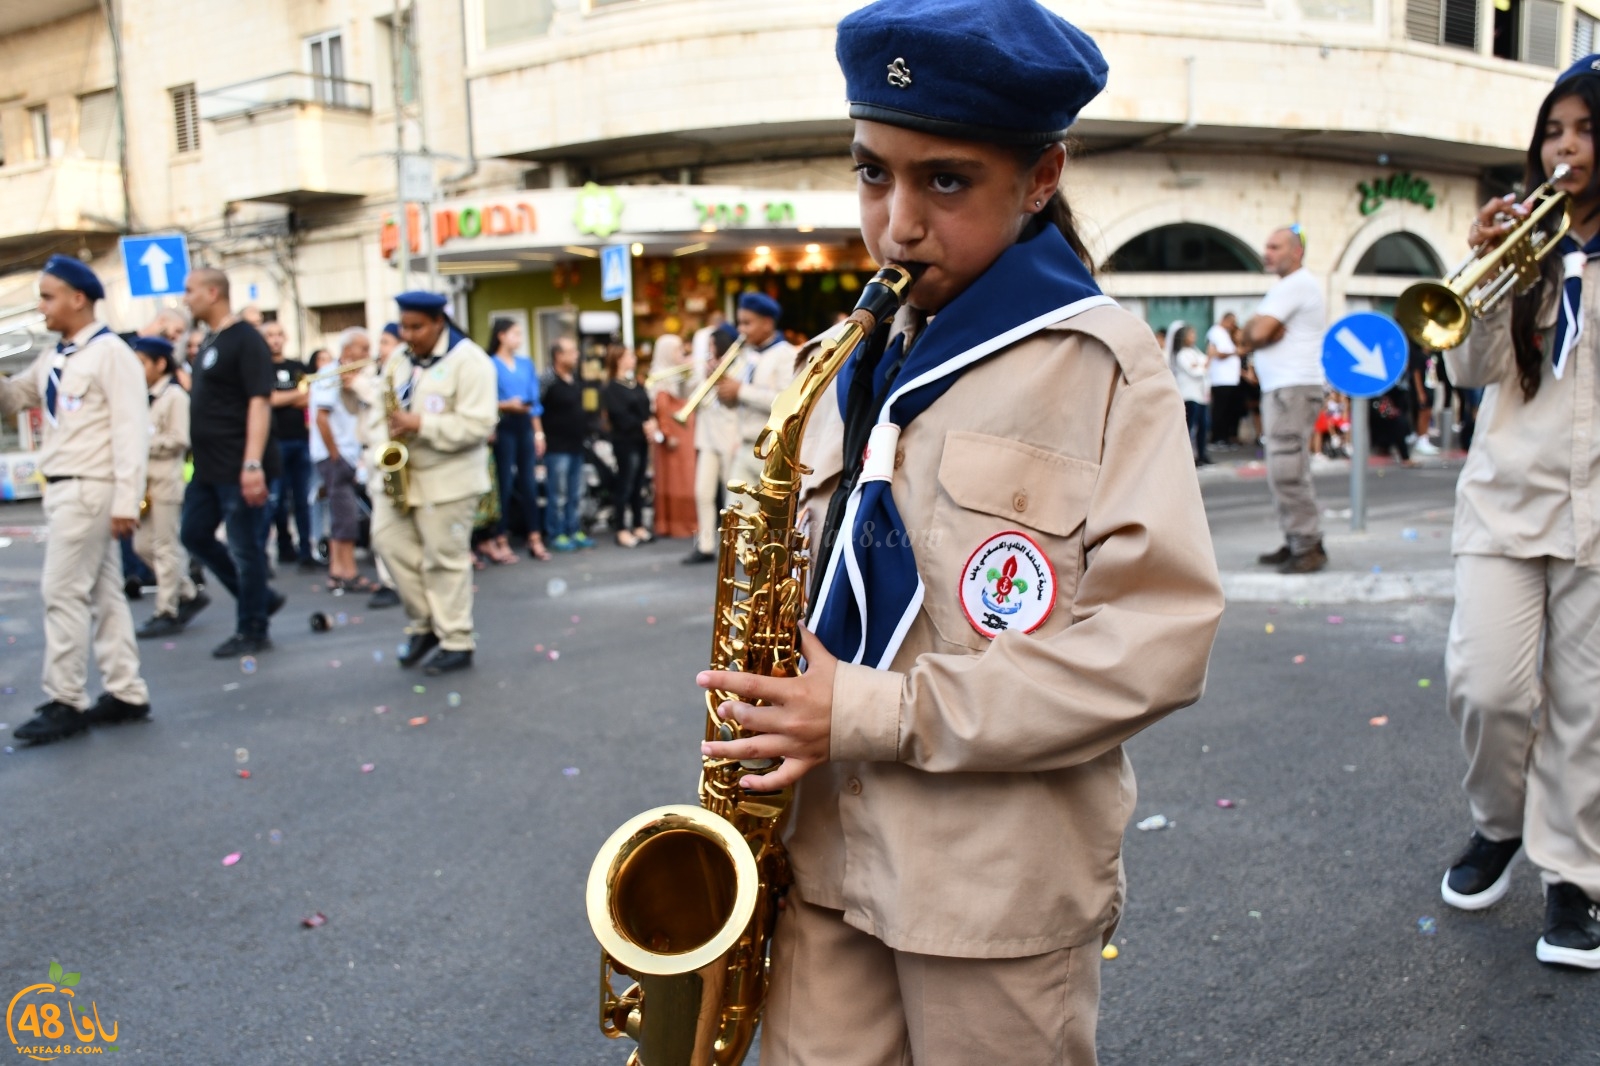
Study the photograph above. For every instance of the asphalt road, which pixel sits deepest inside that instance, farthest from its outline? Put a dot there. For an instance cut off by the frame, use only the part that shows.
(1283, 929)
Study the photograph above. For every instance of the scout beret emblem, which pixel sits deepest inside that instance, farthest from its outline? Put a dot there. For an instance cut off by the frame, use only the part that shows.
(900, 74)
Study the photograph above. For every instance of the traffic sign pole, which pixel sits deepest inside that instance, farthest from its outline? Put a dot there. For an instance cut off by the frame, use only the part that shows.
(1363, 355)
(627, 299)
(1360, 449)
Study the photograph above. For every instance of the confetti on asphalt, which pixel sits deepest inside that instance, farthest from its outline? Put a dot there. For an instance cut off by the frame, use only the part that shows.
(555, 587)
(574, 619)
(355, 620)
(168, 646)
(1109, 952)
(380, 709)
(276, 836)
(454, 699)
(1225, 804)
(1380, 719)
(420, 719)
(1335, 620)
(554, 655)
(1155, 821)
(571, 771)
(419, 689)
(243, 773)
(1349, 769)
(400, 651)
(231, 686)
(1271, 628)
(315, 921)
(377, 656)
(248, 664)
(1253, 914)
(1424, 683)
(334, 664)
(341, 619)
(1272, 610)
(650, 620)
(1408, 534)
(1427, 926)
(368, 767)
(1298, 659)
(10, 750)
(9, 690)
(230, 858)
(538, 647)
(241, 755)
(1398, 638)
(1377, 569)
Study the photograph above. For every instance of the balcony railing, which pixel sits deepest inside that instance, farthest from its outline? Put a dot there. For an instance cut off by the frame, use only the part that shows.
(284, 90)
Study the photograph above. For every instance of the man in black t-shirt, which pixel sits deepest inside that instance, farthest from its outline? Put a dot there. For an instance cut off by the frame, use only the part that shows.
(291, 491)
(229, 418)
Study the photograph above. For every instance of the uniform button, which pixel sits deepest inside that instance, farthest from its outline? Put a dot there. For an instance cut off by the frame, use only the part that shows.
(899, 458)
(854, 785)
(1020, 501)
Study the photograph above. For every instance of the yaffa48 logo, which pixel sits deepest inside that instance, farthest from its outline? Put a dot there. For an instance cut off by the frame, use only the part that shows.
(45, 1022)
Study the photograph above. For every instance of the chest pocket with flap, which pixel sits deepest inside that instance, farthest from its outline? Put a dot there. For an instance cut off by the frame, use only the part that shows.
(990, 485)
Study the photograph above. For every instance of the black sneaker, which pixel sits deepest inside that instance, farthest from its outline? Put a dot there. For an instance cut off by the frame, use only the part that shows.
(1571, 928)
(275, 602)
(307, 565)
(112, 711)
(1482, 875)
(384, 597)
(160, 625)
(698, 556)
(447, 661)
(1277, 558)
(1306, 562)
(416, 649)
(133, 588)
(241, 644)
(192, 606)
(53, 721)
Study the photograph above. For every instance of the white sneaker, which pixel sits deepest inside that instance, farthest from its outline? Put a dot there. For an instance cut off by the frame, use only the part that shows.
(1424, 446)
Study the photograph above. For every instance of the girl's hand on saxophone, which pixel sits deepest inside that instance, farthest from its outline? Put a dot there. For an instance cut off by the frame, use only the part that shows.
(795, 723)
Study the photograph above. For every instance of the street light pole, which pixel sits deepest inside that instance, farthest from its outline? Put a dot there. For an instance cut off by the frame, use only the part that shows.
(403, 250)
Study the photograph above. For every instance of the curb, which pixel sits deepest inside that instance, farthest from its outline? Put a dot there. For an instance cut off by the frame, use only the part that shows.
(1240, 587)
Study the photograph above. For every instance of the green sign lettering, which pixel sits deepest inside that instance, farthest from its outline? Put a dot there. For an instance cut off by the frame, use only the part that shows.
(1402, 186)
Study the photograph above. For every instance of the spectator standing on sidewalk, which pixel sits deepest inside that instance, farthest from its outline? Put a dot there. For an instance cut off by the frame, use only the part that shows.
(633, 427)
(567, 428)
(336, 449)
(230, 418)
(1284, 338)
(291, 490)
(518, 441)
(673, 458)
(1523, 659)
(1188, 365)
(1227, 402)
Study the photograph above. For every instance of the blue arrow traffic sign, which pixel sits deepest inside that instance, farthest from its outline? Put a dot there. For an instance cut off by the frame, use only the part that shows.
(613, 271)
(157, 265)
(1364, 354)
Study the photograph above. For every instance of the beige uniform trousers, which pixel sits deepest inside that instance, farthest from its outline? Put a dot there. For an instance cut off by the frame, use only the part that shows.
(712, 472)
(83, 594)
(1288, 416)
(430, 559)
(157, 543)
(1531, 728)
(841, 997)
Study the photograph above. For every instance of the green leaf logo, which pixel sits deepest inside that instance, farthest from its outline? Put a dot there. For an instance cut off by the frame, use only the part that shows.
(1022, 586)
(993, 575)
(71, 979)
(55, 973)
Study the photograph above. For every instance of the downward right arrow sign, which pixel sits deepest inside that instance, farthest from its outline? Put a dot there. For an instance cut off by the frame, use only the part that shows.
(1369, 361)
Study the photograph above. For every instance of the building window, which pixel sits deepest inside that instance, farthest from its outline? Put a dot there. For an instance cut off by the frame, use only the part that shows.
(1453, 22)
(1583, 34)
(1527, 31)
(1184, 248)
(185, 119)
(334, 318)
(325, 61)
(39, 123)
(509, 21)
(386, 76)
(97, 125)
(1400, 255)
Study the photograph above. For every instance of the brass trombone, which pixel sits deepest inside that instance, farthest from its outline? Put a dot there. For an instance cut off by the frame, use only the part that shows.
(1439, 314)
(657, 377)
(333, 372)
(699, 395)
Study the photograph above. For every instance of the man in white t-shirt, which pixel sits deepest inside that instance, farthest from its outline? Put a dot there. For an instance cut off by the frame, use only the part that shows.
(1285, 335)
(1224, 369)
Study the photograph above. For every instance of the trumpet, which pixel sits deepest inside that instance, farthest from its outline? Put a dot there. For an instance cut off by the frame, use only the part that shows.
(1439, 314)
(658, 376)
(337, 371)
(699, 395)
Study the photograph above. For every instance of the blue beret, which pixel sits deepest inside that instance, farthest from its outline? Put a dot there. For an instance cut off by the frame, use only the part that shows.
(761, 304)
(155, 347)
(1005, 71)
(429, 303)
(76, 272)
(1587, 65)
(392, 329)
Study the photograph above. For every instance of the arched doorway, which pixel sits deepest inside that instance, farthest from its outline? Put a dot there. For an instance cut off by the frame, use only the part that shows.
(1185, 247)
(1184, 270)
(1391, 263)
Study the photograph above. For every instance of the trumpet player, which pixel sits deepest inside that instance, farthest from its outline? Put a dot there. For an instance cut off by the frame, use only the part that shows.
(93, 461)
(442, 391)
(764, 370)
(156, 541)
(1523, 658)
(716, 439)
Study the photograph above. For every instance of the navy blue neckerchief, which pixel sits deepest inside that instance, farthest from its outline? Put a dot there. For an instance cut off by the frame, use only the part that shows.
(1569, 327)
(420, 363)
(52, 385)
(871, 590)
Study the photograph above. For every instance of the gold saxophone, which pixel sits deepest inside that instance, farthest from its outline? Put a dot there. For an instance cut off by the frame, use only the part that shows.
(683, 898)
(392, 458)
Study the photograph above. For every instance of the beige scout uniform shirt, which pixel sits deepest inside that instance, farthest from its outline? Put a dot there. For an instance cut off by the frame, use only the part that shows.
(978, 791)
(458, 400)
(169, 440)
(774, 367)
(101, 415)
(1528, 488)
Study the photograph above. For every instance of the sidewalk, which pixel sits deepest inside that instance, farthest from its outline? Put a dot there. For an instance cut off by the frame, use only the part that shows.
(1403, 554)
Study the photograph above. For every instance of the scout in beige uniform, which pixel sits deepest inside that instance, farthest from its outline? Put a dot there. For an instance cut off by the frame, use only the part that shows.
(1523, 659)
(93, 460)
(1015, 576)
(751, 384)
(156, 542)
(716, 442)
(448, 407)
